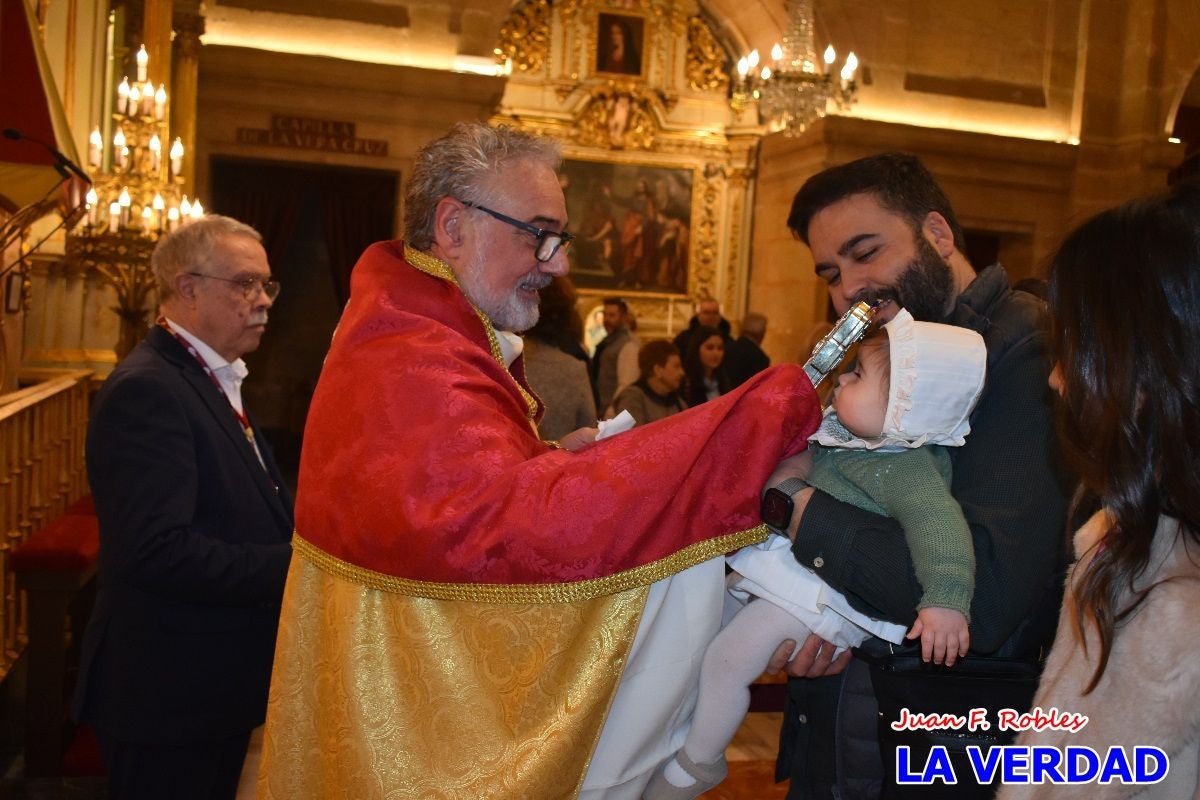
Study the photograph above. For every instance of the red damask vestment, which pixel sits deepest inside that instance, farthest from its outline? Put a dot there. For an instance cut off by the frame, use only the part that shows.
(463, 595)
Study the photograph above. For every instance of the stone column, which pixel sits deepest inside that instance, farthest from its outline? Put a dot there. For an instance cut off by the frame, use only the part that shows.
(188, 28)
(156, 35)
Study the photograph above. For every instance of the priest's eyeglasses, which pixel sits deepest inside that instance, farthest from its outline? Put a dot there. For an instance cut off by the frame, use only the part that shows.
(548, 242)
(250, 286)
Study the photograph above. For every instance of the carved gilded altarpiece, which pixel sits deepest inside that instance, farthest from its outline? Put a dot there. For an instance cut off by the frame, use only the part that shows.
(658, 170)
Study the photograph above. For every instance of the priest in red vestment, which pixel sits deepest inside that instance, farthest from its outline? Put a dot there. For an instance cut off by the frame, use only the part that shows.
(472, 611)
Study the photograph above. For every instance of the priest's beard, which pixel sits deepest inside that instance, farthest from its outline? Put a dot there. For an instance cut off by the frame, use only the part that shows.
(925, 287)
(508, 309)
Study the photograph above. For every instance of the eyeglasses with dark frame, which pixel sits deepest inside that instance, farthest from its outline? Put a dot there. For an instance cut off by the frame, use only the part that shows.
(250, 286)
(548, 242)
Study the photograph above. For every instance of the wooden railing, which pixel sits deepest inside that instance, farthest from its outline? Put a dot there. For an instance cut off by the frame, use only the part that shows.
(42, 431)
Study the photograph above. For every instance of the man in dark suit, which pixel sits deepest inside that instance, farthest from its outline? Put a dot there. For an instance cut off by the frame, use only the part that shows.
(744, 356)
(708, 314)
(195, 525)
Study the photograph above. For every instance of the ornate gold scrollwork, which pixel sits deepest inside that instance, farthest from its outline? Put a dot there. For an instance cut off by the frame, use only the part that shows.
(618, 115)
(705, 58)
(705, 228)
(525, 36)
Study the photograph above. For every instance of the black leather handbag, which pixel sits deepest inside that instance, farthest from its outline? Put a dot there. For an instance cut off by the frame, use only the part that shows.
(974, 691)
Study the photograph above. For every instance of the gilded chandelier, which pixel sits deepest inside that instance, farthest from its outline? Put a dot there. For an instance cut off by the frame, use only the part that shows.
(136, 197)
(794, 90)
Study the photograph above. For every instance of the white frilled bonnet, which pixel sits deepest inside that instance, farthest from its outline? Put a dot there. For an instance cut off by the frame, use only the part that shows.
(937, 376)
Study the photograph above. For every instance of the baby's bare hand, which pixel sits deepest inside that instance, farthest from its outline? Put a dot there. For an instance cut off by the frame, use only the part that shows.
(944, 634)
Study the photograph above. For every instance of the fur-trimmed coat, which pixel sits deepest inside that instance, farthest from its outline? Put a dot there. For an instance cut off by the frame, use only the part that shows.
(1150, 691)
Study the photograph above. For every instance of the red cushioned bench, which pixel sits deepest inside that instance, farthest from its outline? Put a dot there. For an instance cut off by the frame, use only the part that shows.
(52, 566)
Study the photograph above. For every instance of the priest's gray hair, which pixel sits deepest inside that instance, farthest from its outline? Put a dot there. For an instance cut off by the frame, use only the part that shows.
(459, 164)
(189, 248)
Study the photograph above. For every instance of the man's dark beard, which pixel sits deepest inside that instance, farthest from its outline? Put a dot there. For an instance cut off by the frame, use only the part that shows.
(924, 287)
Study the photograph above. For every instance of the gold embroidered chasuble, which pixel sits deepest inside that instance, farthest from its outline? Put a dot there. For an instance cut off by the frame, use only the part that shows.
(462, 597)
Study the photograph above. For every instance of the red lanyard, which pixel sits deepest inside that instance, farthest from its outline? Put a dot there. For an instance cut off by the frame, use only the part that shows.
(241, 415)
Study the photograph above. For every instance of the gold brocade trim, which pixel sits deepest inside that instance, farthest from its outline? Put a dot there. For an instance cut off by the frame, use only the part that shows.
(432, 265)
(624, 647)
(378, 695)
(533, 592)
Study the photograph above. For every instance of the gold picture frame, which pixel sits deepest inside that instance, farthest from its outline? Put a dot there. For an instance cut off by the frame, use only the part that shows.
(632, 225)
(620, 44)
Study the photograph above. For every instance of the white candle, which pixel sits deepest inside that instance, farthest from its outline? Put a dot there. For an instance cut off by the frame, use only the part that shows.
(160, 102)
(850, 67)
(143, 61)
(172, 218)
(114, 217)
(119, 150)
(93, 201)
(135, 101)
(185, 208)
(159, 209)
(176, 157)
(197, 210)
(123, 96)
(124, 202)
(95, 147)
(147, 219)
(147, 99)
(155, 153)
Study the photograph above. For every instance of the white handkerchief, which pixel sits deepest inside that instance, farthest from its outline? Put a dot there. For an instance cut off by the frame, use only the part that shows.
(618, 424)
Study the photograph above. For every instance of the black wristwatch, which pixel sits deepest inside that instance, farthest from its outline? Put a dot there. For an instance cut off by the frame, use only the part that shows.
(777, 503)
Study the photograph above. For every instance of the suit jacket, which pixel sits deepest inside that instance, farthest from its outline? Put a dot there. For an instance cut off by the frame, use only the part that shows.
(743, 360)
(194, 550)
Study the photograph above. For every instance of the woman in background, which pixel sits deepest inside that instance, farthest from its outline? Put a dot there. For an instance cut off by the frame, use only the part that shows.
(703, 363)
(556, 364)
(655, 394)
(1124, 290)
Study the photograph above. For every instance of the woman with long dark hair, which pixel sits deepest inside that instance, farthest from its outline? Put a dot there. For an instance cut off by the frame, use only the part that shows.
(704, 366)
(1124, 290)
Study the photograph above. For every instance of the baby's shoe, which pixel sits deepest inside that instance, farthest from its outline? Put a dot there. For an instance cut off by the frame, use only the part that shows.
(706, 776)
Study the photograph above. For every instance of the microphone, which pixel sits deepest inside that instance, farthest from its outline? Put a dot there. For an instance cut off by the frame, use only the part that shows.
(63, 165)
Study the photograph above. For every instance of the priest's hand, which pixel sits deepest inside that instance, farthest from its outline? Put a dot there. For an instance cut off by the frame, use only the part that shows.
(813, 660)
(578, 439)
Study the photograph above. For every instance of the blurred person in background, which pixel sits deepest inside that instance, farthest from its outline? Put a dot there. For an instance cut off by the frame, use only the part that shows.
(553, 366)
(708, 315)
(744, 357)
(614, 364)
(703, 363)
(655, 395)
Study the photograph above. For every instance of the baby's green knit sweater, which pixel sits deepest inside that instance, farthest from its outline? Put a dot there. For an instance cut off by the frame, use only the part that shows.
(912, 487)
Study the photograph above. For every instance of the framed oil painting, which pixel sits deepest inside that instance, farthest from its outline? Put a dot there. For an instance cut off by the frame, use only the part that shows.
(632, 225)
(619, 43)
